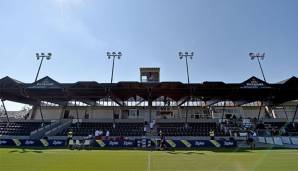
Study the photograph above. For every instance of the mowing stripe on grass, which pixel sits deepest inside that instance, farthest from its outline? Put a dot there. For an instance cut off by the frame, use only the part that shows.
(149, 162)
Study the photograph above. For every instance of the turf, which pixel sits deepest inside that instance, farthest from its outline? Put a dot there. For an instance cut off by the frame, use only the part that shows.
(229, 160)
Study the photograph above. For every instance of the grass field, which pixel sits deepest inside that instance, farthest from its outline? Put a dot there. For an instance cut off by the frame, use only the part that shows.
(228, 160)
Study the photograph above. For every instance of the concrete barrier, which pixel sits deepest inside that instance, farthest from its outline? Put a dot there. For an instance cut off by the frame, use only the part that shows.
(286, 140)
(277, 141)
(261, 139)
(294, 140)
(269, 140)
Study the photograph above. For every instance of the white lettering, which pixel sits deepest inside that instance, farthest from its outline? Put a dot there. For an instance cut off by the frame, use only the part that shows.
(199, 143)
(113, 143)
(3, 142)
(57, 142)
(29, 142)
(228, 143)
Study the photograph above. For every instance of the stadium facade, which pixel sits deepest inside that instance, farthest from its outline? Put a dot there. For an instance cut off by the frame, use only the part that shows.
(128, 108)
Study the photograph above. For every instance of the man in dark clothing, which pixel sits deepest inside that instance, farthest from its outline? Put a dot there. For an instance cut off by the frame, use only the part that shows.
(250, 139)
(69, 137)
(211, 134)
(162, 141)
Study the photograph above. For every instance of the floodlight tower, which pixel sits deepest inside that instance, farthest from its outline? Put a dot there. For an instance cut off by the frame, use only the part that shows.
(186, 55)
(258, 56)
(42, 56)
(113, 55)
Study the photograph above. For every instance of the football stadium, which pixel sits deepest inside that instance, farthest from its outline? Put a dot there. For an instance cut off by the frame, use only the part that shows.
(150, 125)
(140, 85)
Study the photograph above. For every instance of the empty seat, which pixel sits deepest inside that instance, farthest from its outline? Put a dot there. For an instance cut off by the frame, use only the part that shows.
(193, 129)
(19, 128)
(121, 129)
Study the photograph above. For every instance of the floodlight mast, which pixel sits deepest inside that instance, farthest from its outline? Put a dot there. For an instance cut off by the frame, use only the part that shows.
(258, 56)
(186, 55)
(113, 55)
(42, 56)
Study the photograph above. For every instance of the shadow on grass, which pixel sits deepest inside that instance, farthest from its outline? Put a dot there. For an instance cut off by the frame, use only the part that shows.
(23, 150)
(184, 153)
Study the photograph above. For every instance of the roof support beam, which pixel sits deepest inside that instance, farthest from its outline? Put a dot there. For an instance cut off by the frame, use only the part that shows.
(294, 117)
(89, 102)
(183, 100)
(260, 109)
(5, 111)
(117, 100)
(212, 102)
(241, 102)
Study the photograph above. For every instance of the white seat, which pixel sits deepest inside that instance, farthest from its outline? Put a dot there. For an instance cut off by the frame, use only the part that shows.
(70, 142)
(86, 143)
(78, 143)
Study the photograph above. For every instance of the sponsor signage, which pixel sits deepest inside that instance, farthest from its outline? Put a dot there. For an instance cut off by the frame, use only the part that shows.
(126, 143)
(29, 142)
(228, 143)
(254, 83)
(57, 143)
(200, 144)
(45, 83)
(3, 142)
(6, 142)
(129, 144)
(113, 144)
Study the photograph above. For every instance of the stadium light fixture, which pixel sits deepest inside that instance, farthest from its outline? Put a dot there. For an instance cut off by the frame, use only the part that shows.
(41, 56)
(258, 56)
(113, 55)
(186, 55)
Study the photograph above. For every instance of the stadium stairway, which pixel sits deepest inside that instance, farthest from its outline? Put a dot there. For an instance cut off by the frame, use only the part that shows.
(39, 133)
(63, 124)
(154, 131)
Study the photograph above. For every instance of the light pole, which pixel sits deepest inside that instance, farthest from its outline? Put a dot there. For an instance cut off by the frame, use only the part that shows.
(42, 56)
(258, 56)
(186, 55)
(113, 55)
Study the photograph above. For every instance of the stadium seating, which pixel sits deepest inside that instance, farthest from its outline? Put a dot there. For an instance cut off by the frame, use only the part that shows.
(19, 128)
(121, 129)
(193, 129)
(275, 128)
(292, 129)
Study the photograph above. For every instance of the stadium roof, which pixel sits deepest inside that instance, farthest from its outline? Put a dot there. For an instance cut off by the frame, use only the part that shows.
(47, 89)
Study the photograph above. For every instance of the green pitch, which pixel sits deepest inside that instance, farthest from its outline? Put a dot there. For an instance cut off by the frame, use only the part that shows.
(228, 160)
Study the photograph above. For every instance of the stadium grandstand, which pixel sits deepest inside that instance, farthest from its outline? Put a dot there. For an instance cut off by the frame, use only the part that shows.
(135, 113)
(148, 85)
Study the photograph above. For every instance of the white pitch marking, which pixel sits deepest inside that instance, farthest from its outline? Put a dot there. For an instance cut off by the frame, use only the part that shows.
(149, 162)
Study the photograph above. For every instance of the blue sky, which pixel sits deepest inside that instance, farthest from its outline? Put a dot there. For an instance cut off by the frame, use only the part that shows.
(150, 33)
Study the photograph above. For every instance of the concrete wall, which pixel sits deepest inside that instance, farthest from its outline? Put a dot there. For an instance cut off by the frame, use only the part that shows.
(48, 113)
(52, 113)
